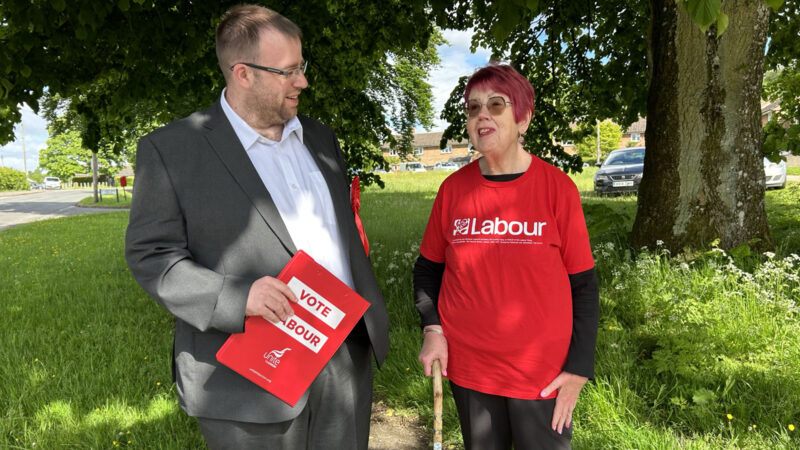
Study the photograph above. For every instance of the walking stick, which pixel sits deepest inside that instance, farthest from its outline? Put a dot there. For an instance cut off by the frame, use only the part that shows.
(437, 405)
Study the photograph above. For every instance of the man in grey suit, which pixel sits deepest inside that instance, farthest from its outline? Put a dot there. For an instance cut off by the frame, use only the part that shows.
(222, 200)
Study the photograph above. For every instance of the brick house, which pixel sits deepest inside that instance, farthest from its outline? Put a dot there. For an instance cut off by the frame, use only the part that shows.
(426, 150)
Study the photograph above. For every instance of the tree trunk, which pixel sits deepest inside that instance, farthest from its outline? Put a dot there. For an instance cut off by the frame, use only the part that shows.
(94, 176)
(703, 173)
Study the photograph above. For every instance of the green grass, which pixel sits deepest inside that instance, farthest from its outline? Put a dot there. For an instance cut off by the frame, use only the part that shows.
(683, 341)
(86, 352)
(108, 201)
(793, 170)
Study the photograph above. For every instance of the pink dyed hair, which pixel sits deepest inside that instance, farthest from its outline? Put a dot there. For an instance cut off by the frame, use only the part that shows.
(504, 79)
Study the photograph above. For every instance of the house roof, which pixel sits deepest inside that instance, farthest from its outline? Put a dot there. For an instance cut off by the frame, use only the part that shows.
(433, 139)
(428, 140)
(767, 107)
(637, 127)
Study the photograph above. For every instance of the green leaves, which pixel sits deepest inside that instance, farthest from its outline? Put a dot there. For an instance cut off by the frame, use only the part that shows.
(722, 23)
(703, 12)
(774, 4)
(703, 396)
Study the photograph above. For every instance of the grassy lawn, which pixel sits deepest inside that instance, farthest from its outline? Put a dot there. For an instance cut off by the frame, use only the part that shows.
(793, 170)
(684, 342)
(108, 201)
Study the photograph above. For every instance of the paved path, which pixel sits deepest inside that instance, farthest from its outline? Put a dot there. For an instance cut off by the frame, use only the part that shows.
(29, 206)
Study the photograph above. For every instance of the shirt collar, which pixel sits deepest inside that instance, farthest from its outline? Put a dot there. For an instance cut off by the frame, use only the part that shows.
(248, 136)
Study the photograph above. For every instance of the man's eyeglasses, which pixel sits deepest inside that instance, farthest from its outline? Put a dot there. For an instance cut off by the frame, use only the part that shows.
(495, 106)
(286, 73)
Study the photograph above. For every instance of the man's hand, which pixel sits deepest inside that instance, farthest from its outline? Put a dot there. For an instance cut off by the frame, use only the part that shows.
(434, 346)
(569, 386)
(269, 298)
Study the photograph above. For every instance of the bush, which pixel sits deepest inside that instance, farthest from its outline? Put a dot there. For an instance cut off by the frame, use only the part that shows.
(13, 180)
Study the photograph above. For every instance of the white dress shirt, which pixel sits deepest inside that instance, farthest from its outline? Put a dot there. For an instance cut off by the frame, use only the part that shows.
(298, 189)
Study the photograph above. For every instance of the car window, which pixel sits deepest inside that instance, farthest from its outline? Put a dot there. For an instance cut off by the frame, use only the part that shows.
(624, 158)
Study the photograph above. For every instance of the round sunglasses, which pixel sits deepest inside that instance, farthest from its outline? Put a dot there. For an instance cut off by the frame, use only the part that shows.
(495, 106)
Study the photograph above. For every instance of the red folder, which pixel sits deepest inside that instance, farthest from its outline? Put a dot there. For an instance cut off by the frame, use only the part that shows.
(284, 358)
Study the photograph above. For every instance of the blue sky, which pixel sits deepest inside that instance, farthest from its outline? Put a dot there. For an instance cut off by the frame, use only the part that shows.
(35, 139)
(456, 62)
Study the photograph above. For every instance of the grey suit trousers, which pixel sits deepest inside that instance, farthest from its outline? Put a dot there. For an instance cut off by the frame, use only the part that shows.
(336, 416)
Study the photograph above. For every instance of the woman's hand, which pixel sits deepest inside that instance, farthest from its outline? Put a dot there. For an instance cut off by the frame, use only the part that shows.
(569, 386)
(434, 346)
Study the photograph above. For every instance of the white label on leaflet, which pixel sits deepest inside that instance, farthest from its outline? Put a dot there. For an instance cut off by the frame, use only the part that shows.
(316, 304)
(303, 333)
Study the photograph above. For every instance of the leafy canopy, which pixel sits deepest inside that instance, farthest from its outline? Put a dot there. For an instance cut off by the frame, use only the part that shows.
(124, 63)
(586, 60)
(782, 133)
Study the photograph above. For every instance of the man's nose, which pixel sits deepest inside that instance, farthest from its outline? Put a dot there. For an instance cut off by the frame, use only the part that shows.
(300, 81)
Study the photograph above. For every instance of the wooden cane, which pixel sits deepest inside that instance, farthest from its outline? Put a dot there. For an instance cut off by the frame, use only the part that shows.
(437, 405)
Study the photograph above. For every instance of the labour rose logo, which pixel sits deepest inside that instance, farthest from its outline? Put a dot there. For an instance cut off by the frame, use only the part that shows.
(273, 358)
(461, 226)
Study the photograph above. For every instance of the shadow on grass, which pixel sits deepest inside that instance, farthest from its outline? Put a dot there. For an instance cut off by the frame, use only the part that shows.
(86, 353)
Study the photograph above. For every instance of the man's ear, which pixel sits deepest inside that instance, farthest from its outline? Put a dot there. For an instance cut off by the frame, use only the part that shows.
(242, 76)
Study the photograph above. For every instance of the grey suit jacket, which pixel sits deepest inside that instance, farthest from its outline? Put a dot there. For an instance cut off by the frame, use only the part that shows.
(202, 229)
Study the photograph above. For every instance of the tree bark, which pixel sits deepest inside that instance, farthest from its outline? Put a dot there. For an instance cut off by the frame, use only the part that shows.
(703, 174)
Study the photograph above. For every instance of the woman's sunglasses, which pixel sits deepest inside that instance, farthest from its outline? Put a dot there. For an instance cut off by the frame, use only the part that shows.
(495, 106)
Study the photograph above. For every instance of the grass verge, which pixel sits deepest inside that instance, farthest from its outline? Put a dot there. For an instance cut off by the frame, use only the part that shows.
(684, 341)
(107, 201)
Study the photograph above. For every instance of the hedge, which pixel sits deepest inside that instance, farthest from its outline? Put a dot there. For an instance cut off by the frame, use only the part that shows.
(13, 180)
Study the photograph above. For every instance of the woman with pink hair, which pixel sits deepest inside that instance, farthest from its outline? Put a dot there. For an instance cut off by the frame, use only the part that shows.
(505, 282)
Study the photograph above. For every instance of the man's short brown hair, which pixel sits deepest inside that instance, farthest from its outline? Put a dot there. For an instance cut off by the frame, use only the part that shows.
(239, 31)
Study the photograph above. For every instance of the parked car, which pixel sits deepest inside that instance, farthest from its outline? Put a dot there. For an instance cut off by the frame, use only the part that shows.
(445, 166)
(411, 167)
(52, 183)
(34, 185)
(620, 172)
(774, 174)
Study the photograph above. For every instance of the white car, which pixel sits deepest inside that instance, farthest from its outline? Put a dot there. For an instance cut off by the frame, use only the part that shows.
(412, 167)
(445, 166)
(52, 183)
(774, 174)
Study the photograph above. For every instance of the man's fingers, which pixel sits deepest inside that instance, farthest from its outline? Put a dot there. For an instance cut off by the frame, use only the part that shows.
(285, 290)
(269, 315)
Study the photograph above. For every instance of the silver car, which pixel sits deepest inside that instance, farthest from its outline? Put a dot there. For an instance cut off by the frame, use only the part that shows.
(445, 166)
(774, 174)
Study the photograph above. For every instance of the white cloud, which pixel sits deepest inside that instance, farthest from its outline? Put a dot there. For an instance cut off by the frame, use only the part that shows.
(457, 61)
(35, 139)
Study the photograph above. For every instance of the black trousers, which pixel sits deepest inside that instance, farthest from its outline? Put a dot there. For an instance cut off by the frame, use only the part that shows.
(336, 416)
(492, 422)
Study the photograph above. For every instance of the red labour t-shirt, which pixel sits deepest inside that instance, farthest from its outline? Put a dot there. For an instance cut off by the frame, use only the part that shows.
(505, 303)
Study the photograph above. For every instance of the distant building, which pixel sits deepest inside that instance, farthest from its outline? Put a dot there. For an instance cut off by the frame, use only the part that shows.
(425, 149)
(768, 109)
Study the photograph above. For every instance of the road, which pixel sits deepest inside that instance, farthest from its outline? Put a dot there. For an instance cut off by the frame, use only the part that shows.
(17, 208)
